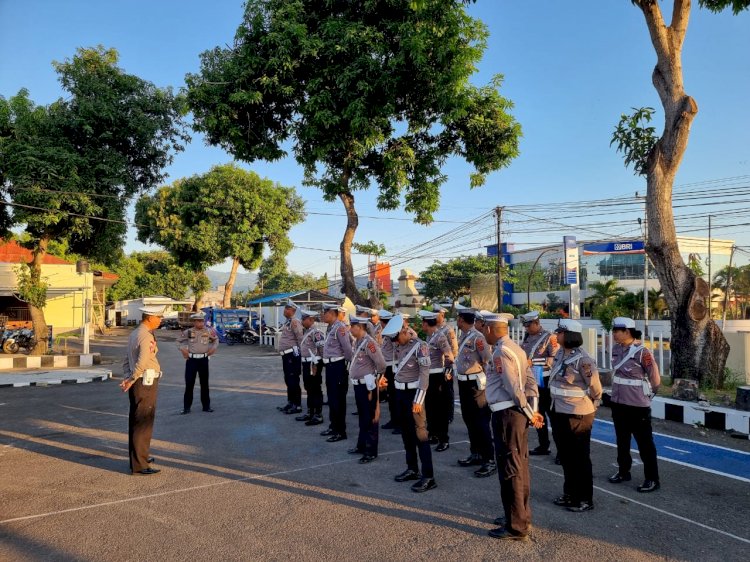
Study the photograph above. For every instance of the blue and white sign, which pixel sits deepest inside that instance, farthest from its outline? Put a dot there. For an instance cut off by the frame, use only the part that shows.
(620, 247)
(571, 260)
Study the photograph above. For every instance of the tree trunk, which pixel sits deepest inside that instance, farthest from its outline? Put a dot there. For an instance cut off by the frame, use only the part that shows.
(39, 325)
(197, 303)
(348, 286)
(699, 349)
(229, 285)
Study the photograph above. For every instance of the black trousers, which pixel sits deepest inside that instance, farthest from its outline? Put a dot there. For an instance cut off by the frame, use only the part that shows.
(292, 365)
(476, 414)
(635, 421)
(573, 439)
(141, 423)
(392, 400)
(545, 404)
(197, 367)
(414, 433)
(312, 378)
(368, 409)
(337, 385)
(439, 403)
(510, 431)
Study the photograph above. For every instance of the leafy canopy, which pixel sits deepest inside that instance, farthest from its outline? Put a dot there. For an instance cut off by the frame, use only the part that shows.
(453, 278)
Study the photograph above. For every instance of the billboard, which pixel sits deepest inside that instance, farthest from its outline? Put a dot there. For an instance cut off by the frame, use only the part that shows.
(571, 260)
(623, 247)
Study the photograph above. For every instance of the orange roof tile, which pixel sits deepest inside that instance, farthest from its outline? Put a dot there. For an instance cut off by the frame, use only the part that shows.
(12, 252)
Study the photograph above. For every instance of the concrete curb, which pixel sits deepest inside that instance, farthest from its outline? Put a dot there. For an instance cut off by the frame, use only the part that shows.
(46, 378)
(12, 362)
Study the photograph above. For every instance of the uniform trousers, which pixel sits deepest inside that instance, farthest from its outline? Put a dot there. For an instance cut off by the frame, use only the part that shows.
(197, 367)
(337, 385)
(414, 433)
(292, 365)
(635, 421)
(439, 404)
(313, 380)
(141, 422)
(510, 430)
(392, 403)
(368, 409)
(572, 435)
(476, 414)
(545, 403)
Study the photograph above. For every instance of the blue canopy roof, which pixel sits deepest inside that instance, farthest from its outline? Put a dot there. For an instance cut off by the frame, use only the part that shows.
(272, 298)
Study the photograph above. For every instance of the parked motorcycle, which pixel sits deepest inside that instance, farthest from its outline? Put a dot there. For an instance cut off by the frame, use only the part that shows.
(15, 340)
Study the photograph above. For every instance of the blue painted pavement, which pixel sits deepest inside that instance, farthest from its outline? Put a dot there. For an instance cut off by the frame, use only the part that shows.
(710, 458)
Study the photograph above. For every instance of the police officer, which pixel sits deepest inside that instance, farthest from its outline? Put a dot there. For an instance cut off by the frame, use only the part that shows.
(576, 390)
(512, 396)
(473, 354)
(311, 350)
(141, 373)
(439, 398)
(412, 372)
(445, 328)
(291, 362)
(197, 344)
(366, 366)
(373, 325)
(636, 380)
(540, 347)
(337, 350)
(386, 346)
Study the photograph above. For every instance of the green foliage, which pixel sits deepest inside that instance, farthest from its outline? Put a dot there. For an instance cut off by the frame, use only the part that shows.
(738, 286)
(277, 279)
(635, 138)
(453, 278)
(695, 265)
(720, 5)
(554, 304)
(539, 280)
(604, 293)
(31, 288)
(145, 274)
(606, 313)
(370, 248)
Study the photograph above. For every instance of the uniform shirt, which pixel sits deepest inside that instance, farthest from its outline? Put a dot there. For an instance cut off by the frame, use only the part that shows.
(450, 333)
(291, 334)
(198, 341)
(367, 358)
(509, 377)
(141, 353)
(312, 343)
(337, 342)
(386, 345)
(574, 372)
(374, 331)
(411, 366)
(544, 347)
(440, 350)
(473, 353)
(639, 367)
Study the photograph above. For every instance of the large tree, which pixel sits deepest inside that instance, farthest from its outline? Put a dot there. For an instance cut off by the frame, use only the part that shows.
(452, 279)
(71, 168)
(363, 92)
(226, 213)
(699, 349)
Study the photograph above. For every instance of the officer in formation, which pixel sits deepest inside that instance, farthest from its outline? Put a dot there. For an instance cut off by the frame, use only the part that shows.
(576, 391)
(445, 328)
(412, 374)
(512, 397)
(311, 351)
(373, 326)
(337, 350)
(197, 344)
(540, 347)
(636, 380)
(291, 362)
(141, 373)
(386, 346)
(439, 402)
(366, 366)
(473, 354)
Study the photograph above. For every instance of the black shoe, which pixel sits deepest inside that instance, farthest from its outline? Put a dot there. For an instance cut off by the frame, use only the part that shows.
(537, 451)
(487, 469)
(147, 472)
(150, 460)
(185, 412)
(284, 407)
(424, 485)
(293, 409)
(442, 447)
(499, 521)
(649, 486)
(317, 419)
(396, 431)
(434, 440)
(304, 417)
(208, 410)
(355, 413)
(471, 460)
(327, 432)
(504, 534)
(407, 474)
(367, 458)
(580, 507)
(336, 437)
(356, 451)
(563, 501)
(388, 425)
(618, 478)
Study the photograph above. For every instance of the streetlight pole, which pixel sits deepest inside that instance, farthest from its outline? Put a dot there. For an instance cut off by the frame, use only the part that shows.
(645, 263)
(710, 295)
(498, 216)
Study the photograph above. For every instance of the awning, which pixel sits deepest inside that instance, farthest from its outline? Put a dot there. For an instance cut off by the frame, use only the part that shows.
(274, 298)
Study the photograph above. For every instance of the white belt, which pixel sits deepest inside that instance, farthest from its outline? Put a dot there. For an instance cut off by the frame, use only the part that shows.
(627, 382)
(435, 371)
(287, 351)
(504, 405)
(310, 359)
(355, 382)
(197, 355)
(539, 362)
(390, 363)
(327, 360)
(471, 377)
(577, 393)
(406, 385)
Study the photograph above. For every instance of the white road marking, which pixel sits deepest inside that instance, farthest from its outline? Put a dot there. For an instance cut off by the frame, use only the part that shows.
(675, 449)
(94, 411)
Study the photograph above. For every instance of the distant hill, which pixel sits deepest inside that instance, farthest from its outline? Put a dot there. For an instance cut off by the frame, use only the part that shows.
(243, 282)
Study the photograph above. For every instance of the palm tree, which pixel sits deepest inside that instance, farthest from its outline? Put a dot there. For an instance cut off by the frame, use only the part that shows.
(657, 304)
(604, 293)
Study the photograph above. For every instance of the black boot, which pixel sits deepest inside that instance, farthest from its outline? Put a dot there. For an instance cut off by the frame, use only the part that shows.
(316, 418)
(305, 417)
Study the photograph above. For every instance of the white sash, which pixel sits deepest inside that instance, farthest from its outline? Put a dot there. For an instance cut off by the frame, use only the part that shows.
(361, 346)
(466, 340)
(631, 353)
(401, 363)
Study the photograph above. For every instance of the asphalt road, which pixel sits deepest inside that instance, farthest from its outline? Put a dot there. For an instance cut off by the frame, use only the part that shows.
(248, 483)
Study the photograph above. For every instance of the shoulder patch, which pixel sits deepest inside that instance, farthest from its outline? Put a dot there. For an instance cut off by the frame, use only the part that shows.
(424, 349)
(586, 369)
(648, 359)
(342, 331)
(498, 365)
(480, 344)
(371, 347)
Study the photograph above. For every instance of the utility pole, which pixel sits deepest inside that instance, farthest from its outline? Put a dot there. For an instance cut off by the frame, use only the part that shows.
(645, 263)
(727, 288)
(710, 300)
(498, 217)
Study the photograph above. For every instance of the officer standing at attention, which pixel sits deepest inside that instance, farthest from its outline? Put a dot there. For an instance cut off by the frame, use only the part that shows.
(540, 347)
(439, 402)
(386, 346)
(412, 371)
(473, 354)
(373, 326)
(141, 372)
(512, 396)
(636, 380)
(197, 344)
(291, 362)
(366, 366)
(575, 389)
(311, 350)
(445, 328)
(337, 350)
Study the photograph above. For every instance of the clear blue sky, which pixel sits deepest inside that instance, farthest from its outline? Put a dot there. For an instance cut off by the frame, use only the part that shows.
(570, 68)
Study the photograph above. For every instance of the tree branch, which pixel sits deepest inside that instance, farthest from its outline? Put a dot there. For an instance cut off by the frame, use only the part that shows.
(678, 27)
(656, 27)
